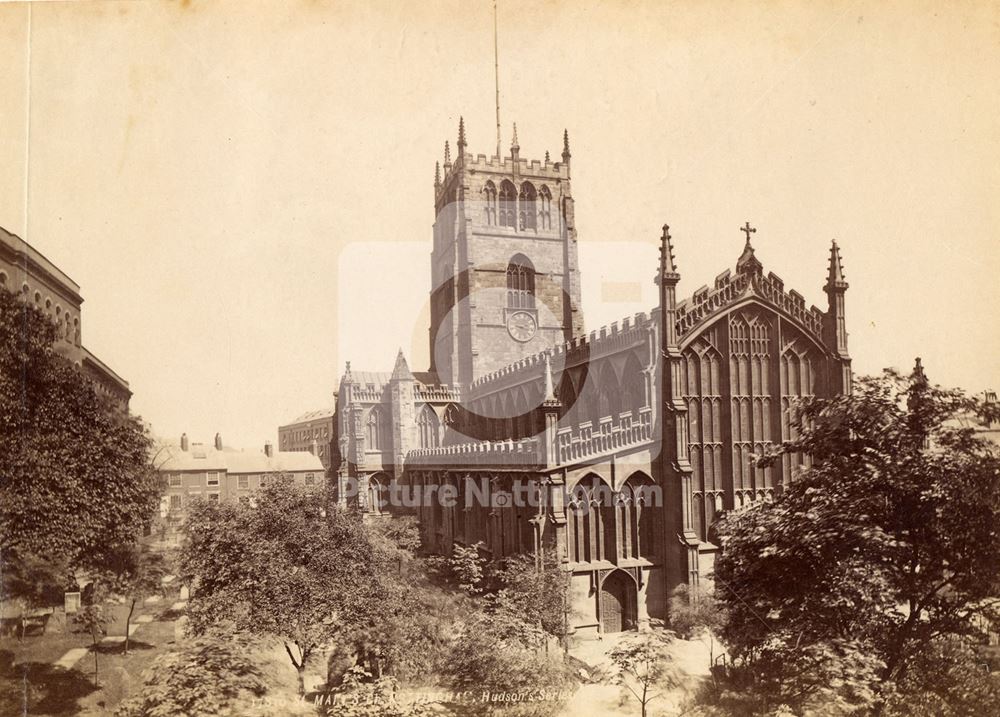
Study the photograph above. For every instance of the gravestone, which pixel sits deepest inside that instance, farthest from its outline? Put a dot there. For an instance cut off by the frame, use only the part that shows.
(185, 593)
(72, 602)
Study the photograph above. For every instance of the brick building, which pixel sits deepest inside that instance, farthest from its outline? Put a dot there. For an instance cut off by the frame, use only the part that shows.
(214, 472)
(24, 270)
(312, 432)
(631, 440)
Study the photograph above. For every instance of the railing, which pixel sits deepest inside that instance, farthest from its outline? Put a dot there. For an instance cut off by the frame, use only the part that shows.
(631, 430)
(525, 452)
(437, 393)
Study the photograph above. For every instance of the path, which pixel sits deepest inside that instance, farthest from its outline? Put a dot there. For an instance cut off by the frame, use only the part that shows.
(73, 656)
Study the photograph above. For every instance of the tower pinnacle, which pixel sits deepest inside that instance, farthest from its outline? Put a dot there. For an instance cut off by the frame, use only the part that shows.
(437, 175)
(461, 136)
(668, 269)
(748, 263)
(565, 153)
(835, 276)
(447, 156)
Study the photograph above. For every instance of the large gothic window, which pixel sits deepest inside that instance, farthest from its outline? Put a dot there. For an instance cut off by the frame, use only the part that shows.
(378, 485)
(508, 204)
(520, 283)
(528, 210)
(490, 204)
(545, 207)
(374, 432)
(635, 518)
(592, 521)
(428, 427)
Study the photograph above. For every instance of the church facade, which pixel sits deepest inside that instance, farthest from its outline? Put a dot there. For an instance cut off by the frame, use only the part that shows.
(614, 451)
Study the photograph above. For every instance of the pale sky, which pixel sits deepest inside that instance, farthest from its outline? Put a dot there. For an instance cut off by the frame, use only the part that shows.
(244, 191)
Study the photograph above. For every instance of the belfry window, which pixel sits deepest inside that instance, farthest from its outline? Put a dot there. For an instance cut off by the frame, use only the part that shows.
(490, 204)
(520, 283)
(427, 426)
(528, 217)
(545, 208)
(508, 205)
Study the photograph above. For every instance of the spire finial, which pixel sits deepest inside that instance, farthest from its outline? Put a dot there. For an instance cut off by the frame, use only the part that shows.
(565, 154)
(549, 389)
(547, 160)
(447, 155)
(748, 230)
(461, 136)
(835, 274)
(667, 265)
(437, 175)
(513, 142)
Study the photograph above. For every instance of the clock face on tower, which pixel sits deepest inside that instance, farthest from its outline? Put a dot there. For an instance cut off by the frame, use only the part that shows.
(521, 326)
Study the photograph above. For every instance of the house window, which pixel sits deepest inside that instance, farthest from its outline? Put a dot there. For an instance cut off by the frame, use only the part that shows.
(175, 502)
(243, 482)
(214, 497)
(310, 479)
(175, 480)
(212, 479)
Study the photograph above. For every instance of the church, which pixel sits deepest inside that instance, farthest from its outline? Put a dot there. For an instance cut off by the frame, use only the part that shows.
(614, 450)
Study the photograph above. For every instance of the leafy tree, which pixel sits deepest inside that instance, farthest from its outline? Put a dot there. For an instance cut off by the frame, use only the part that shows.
(75, 479)
(645, 667)
(94, 618)
(880, 549)
(498, 653)
(360, 694)
(536, 589)
(207, 676)
(138, 573)
(295, 567)
(467, 566)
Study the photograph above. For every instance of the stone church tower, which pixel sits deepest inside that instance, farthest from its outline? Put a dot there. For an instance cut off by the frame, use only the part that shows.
(504, 271)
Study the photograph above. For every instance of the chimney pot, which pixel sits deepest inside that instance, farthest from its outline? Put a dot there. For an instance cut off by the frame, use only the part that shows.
(268, 449)
(218, 442)
(184, 442)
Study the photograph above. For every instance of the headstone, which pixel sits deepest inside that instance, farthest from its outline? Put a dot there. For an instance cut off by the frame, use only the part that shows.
(185, 593)
(72, 602)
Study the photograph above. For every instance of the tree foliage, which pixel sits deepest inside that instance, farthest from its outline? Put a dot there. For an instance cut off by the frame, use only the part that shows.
(887, 544)
(207, 676)
(644, 667)
(294, 566)
(75, 479)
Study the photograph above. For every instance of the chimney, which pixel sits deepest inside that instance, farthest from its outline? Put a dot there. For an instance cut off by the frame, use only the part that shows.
(313, 447)
(268, 449)
(184, 442)
(218, 442)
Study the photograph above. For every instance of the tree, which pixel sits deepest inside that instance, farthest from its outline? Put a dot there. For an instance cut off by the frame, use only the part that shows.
(645, 666)
(294, 566)
(33, 582)
(209, 675)
(694, 615)
(138, 573)
(884, 546)
(468, 567)
(75, 479)
(94, 618)
(535, 588)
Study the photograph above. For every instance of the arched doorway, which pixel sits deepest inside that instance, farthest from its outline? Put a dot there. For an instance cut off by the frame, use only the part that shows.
(618, 603)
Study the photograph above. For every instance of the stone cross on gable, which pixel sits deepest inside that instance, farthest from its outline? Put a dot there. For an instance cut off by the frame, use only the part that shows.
(748, 230)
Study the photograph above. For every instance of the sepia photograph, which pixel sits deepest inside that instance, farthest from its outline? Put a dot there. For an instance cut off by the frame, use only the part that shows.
(568, 358)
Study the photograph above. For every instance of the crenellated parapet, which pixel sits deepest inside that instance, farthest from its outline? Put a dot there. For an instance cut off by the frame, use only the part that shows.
(730, 289)
(618, 336)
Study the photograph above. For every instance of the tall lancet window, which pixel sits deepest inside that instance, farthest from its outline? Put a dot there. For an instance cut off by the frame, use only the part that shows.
(545, 208)
(520, 283)
(528, 215)
(428, 427)
(490, 204)
(374, 435)
(508, 204)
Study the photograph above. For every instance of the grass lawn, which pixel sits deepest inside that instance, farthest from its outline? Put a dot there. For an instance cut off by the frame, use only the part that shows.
(31, 685)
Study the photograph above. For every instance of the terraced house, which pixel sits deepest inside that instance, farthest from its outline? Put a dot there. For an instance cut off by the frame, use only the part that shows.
(618, 449)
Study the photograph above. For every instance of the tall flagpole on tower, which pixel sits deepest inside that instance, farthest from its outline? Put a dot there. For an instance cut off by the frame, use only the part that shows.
(496, 73)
